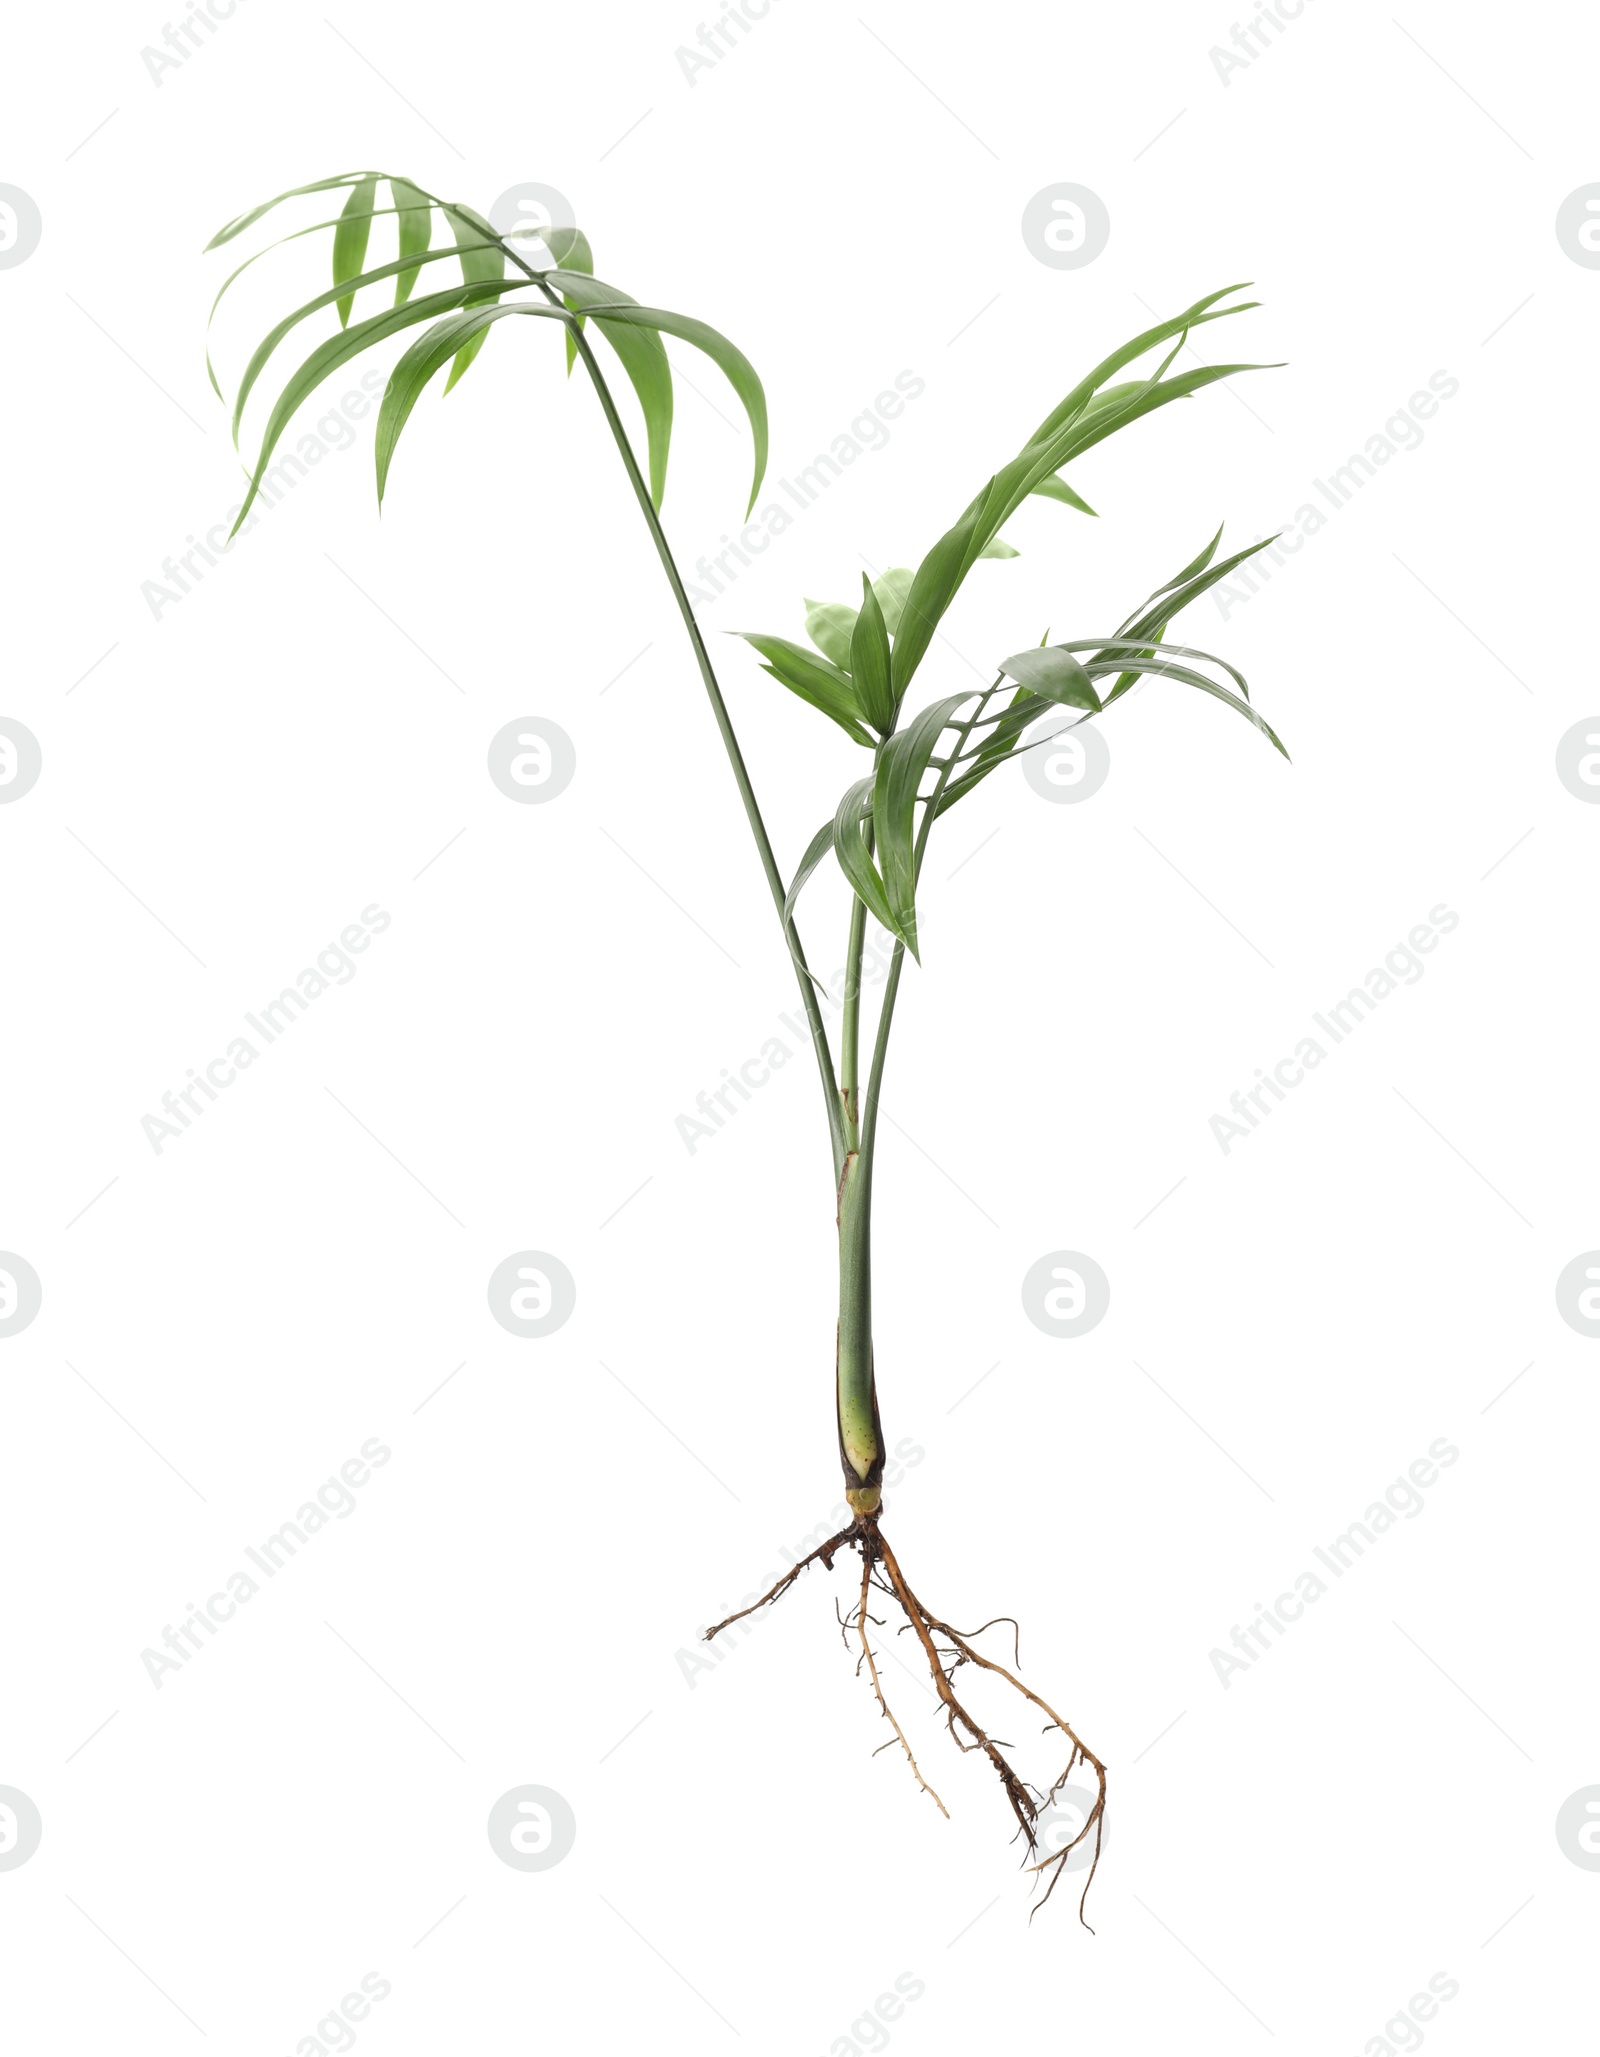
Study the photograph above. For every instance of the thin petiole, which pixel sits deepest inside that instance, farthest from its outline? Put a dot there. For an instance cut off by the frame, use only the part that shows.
(719, 709)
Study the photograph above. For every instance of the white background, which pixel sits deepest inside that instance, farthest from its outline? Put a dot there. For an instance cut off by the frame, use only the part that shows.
(1291, 1855)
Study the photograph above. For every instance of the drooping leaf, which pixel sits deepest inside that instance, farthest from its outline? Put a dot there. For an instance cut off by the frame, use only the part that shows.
(1107, 656)
(869, 662)
(277, 244)
(819, 846)
(1108, 653)
(416, 231)
(241, 222)
(428, 355)
(830, 625)
(731, 361)
(569, 247)
(855, 860)
(813, 678)
(998, 547)
(1160, 667)
(350, 241)
(901, 764)
(264, 349)
(642, 356)
(483, 259)
(1053, 674)
(339, 349)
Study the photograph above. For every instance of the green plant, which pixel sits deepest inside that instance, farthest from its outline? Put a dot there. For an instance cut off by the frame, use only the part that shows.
(863, 661)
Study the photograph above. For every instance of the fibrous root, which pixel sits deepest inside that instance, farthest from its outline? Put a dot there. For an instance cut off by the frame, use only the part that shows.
(947, 1650)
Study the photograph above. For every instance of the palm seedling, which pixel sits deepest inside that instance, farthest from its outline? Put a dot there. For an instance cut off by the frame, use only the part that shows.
(857, 673)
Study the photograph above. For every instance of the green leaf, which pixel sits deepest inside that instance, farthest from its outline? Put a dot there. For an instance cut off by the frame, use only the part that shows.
(819, 846)
(426, 356)
(1159, 668)
(823, 685)
(569, 247)
(339, 349)
(1172, 599)
(1195, 564)
(869, 662)
(1107, 657)
(269, 343)
(1194, 317)
(830, 625)
(1053, 674)
(1096, 425)
(416, 231)
(901, 763)
(890, 592)
(241, 222)
(732, 362)
(483, 259)
(1054, 488)
(1080, 421)
(1110, 655)
(642, 356)
(350, 241)
(932, 590)
(997, 548)
(855, 860)
(238, 270)
(998, 748)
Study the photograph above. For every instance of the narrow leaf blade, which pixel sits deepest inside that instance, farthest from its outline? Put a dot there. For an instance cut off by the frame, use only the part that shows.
(869, 662)
(731, 361)
(482, 261)
(850, 847)
(642, 356)
(425, 357)
(816, 681)
(350, 241)
(339, 349)
(241, 222)
(901, 764)
(416, 232)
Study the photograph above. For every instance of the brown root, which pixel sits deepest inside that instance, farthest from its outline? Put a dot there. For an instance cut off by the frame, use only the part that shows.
(947, 1650)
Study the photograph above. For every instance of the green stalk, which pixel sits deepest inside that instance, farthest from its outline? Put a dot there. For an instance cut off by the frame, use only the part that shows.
(850, 1022)
(730, 742)
(852, 1125)
(860, 1427)
(719, 709)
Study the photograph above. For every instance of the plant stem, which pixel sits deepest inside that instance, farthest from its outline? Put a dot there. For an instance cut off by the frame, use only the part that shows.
(730, 742)
(850, 1023)
(719, 709)
(860, 1428)
(880, 1052)
(852, 1124)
